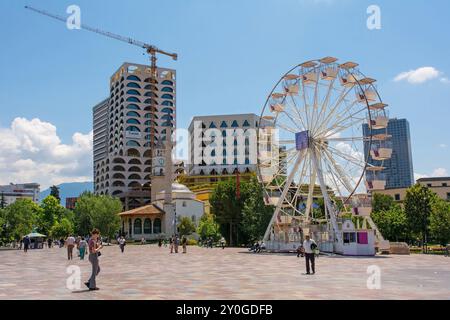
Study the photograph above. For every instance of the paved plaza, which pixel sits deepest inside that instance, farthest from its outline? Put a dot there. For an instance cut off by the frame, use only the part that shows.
(149, 272)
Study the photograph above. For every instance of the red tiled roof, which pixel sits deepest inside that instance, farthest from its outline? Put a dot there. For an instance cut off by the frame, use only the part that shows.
(145, 210)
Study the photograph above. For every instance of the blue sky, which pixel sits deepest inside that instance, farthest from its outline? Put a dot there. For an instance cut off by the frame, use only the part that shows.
(230, 55)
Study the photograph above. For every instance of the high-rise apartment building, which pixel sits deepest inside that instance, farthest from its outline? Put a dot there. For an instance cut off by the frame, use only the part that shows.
(130, 130)
(399, 168)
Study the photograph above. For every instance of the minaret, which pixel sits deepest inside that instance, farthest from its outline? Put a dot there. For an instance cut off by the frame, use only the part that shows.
(169, 206)
(162, 179)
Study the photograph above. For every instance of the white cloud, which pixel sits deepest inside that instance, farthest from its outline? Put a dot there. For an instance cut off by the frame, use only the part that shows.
(419, 75)
(346, 148)
(445, 80)
(31, 151)
(440, 172)
(418, 176)
(443, 146)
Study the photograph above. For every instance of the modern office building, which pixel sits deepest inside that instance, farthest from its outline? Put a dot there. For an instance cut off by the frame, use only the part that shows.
(12, 192)
(100, 134)
(399, 168)
(130, 130)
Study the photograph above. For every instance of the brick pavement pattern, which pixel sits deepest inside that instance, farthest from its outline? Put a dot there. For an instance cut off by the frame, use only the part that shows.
(149, 272)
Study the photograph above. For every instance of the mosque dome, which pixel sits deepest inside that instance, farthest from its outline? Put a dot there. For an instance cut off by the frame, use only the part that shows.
(179, 191)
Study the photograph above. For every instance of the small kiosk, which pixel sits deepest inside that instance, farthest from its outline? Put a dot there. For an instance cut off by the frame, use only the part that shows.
(36, 240)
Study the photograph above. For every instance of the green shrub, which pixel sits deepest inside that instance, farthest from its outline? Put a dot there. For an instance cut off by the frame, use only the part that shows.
(192, 242)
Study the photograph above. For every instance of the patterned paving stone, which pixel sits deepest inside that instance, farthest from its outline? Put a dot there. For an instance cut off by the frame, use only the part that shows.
(149, 272)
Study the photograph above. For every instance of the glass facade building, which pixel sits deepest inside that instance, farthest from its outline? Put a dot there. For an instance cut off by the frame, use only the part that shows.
(399, 169)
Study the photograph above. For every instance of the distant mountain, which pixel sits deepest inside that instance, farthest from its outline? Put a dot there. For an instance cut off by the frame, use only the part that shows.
(71, 189)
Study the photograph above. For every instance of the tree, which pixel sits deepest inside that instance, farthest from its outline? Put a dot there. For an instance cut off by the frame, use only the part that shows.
(186, 226)
(19, 219)
(227, 208)
(419, 202)
(440, 222)
(52, 211)
(92, 211)
(392, 223)
(54, 191)
(2, 201)
(84, 209)
(382, 202)
(255, 214)
(2, 222)
(62, 229)
(208, 227)
(243, 219)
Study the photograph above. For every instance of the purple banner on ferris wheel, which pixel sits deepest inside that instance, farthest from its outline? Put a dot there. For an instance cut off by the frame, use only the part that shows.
(302, 140)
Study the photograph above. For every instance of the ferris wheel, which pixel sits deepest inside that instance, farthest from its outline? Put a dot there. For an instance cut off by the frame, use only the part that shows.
(319, 127)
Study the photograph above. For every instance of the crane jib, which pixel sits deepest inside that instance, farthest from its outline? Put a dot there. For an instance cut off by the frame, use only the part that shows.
(150, 49)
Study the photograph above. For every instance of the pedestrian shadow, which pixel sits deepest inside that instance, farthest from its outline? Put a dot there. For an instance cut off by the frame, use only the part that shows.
(268, 253)
(81, 291)
(357, 257)
(322, 255)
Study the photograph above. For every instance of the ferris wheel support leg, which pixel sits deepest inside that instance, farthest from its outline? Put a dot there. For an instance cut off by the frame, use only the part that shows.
(326, 197)
(284, 193)
(310, 193)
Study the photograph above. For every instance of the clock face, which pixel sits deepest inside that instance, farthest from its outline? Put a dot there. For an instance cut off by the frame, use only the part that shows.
(161, 162)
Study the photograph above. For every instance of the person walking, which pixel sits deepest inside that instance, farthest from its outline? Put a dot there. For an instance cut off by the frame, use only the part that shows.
(49, 243)
(171, 241)
(222, 242)
(176, 243)
(94, 253)
(82, 248)
(309, 246)
(26, 243)
(122, 243)
(142, 240)
(70, 242)
(77, 244)
(209, 243)
(184, 243)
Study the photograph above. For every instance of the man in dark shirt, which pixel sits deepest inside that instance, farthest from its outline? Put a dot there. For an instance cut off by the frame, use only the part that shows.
(26, 243)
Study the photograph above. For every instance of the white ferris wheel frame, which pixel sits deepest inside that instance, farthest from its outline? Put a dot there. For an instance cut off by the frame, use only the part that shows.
(316, 153)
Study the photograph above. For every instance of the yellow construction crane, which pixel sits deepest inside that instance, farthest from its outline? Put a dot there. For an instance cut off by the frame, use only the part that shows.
(150, 49)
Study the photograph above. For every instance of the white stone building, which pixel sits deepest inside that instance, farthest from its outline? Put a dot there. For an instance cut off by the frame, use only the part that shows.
(223, 144)
(12, 192)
